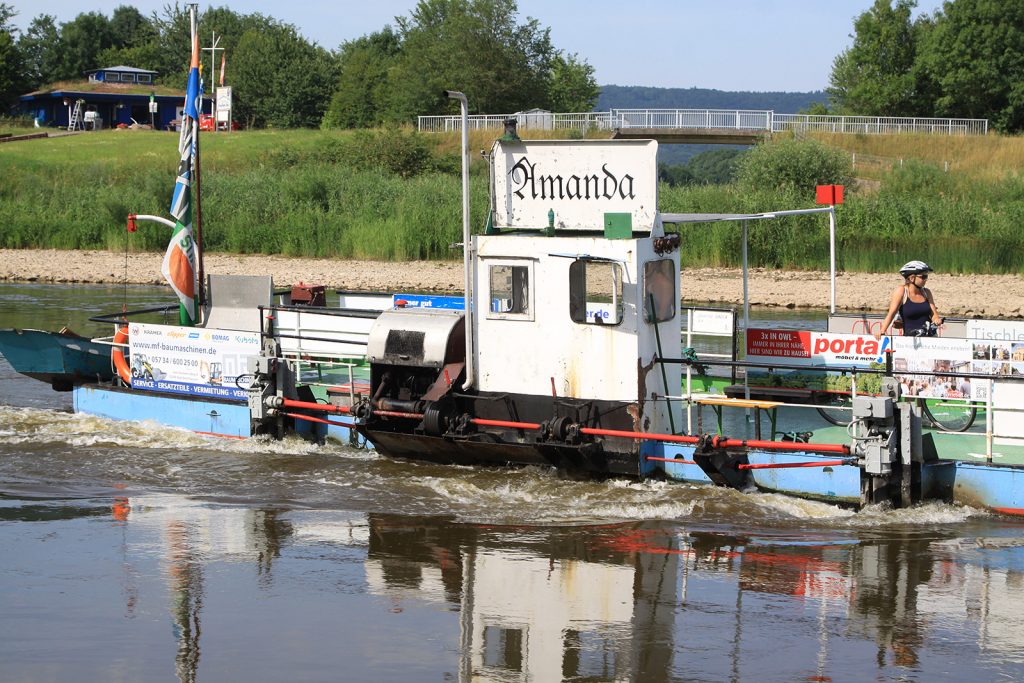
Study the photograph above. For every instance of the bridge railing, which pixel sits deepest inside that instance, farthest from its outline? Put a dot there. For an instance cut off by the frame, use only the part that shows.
(721, 119)
(878, 124)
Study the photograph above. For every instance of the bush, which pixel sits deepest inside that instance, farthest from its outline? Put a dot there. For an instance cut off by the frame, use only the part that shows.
(403, 153)
(794, 166)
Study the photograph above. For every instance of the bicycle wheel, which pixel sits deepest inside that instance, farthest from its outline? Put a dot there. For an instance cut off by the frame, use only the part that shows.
(950, 416)
(836, 408)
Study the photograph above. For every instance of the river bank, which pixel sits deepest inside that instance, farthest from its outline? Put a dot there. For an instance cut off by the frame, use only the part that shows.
(956, 295)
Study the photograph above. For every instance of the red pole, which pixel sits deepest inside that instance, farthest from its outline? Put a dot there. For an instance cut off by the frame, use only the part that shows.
(675, 460)
(784, 465)
(504, 423)
(321, 407)
(310, 418)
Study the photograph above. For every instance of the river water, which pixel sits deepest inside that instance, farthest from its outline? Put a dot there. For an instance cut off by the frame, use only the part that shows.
(136, 553)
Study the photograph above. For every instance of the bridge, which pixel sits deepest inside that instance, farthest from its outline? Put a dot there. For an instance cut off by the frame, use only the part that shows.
(706, 126)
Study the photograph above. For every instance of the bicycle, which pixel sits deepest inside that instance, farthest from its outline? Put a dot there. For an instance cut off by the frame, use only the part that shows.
(947, 415)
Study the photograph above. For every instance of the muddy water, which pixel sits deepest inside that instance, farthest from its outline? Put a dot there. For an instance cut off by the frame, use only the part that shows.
(131, 552)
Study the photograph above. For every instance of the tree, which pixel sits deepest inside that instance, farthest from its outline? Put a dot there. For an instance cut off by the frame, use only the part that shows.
(359, 97)
(40, 45)
(12, 64)
(81, 41)
(475, 46)
(280, 79)
(875, 76)
(975, 54)
(572, 86)
(128, 28)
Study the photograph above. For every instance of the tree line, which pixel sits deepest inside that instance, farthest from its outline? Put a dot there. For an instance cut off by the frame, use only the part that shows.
(962, 61)
(280, 79)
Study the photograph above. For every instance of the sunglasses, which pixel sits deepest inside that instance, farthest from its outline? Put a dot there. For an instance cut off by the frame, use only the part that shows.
(923, 276)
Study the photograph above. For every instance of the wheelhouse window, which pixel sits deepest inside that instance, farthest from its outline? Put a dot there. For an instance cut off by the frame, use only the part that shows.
(509, 293)
(595, 292)
(660, 297)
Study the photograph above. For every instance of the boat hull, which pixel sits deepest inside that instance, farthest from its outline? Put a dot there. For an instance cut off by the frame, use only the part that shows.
(201, 415)
(60, 359)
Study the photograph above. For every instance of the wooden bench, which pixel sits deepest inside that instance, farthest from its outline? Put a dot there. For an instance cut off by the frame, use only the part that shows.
(718, 402)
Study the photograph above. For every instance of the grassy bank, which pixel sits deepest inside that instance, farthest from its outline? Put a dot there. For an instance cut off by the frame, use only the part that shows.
(334, 194)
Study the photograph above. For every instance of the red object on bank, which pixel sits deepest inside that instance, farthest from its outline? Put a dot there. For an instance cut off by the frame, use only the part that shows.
(830, 194)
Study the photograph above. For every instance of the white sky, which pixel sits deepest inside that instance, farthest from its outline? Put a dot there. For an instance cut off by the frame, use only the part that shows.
(759, 45)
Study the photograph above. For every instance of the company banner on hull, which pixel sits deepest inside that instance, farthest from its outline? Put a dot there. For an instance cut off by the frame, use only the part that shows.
(193, 361)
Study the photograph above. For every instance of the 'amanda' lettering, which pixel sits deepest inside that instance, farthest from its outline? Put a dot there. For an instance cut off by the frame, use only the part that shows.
(607, 185)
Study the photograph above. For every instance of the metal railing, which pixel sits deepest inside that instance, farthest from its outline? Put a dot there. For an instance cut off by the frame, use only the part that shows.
(716, 119)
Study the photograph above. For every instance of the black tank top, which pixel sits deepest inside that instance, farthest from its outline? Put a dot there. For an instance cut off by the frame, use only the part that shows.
(915, 315)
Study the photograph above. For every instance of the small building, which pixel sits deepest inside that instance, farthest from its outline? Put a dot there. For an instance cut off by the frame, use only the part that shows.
(109, 97)
(535, 119)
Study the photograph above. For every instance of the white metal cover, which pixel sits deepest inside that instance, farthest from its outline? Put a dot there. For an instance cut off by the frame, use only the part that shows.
(580, 181)
(414, 336)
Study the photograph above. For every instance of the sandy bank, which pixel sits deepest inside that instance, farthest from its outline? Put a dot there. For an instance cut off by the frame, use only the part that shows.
(959, 295)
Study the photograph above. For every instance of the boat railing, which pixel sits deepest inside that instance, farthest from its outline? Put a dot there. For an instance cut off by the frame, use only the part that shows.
(299, 364)
(820, 398)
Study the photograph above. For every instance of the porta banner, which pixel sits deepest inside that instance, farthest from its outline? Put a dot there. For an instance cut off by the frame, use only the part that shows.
(197, 362)
(940, 358)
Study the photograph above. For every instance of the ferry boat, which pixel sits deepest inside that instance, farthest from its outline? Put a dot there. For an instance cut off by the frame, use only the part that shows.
(565, 351)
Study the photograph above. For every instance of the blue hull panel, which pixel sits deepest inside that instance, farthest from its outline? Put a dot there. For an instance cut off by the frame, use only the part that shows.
(839, 483)
(999, 488)
(195, 414)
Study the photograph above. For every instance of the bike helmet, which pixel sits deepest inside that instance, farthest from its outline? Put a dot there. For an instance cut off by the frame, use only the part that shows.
(915, 268)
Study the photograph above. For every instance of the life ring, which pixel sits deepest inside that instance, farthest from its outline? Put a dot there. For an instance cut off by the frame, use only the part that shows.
(117, 354)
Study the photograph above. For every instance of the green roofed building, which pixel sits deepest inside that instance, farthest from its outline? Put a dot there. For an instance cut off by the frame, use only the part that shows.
(110, 97)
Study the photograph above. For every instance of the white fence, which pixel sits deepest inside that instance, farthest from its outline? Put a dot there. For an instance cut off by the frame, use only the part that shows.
(718, 119)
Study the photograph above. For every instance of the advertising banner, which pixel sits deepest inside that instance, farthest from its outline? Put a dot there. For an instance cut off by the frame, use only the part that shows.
(193, 361)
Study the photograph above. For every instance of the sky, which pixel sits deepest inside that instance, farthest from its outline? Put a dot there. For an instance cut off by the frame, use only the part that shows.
(753, 45)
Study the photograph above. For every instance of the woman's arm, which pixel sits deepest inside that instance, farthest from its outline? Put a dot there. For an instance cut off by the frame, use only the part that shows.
(894, 305)
(936, 318)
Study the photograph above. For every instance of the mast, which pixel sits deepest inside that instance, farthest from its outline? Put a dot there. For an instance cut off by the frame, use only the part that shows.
(198, 221)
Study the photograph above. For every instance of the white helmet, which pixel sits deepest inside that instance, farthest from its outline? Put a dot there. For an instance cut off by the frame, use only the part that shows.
(915, 268)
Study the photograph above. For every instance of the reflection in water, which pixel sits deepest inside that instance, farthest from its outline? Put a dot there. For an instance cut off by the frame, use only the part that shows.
(652, 601)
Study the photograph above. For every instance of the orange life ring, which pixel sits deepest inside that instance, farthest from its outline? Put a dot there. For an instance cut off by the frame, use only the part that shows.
(117, 354)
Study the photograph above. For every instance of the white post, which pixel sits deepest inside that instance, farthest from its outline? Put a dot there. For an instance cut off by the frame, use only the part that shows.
(832, 253)
(467, 243)
(746, 307)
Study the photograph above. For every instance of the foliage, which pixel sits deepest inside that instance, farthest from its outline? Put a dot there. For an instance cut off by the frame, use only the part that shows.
(360, 95)
(793, 166)
(403, 153)
(281, 80)
(961, 62)
(640, 97)
(875, 75)
(473, 46)
(81, 41)
(321, 193)
(12, 63)
(572, 88)
(976, 55)
(40, 46)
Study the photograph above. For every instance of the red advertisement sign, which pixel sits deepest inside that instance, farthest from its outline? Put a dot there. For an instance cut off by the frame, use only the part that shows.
(779, 343)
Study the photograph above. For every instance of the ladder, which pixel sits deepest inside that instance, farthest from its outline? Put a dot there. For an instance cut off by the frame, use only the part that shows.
(76, 116)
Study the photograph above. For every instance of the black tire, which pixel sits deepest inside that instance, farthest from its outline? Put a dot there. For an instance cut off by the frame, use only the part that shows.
(950, 416)
(836, 408)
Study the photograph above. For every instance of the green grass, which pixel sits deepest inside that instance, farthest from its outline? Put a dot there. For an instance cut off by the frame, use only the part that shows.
(302, 193)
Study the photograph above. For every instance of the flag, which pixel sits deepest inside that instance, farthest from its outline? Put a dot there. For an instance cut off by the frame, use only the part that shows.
(223, 59)
(179, 267)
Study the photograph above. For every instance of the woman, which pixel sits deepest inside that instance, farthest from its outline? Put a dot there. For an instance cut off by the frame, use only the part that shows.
(913, 302)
